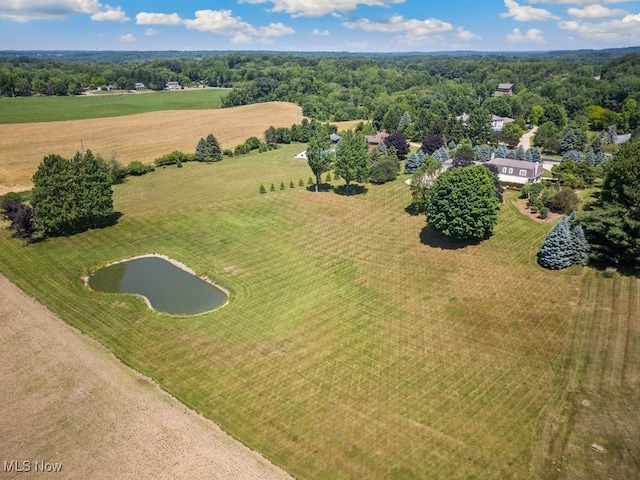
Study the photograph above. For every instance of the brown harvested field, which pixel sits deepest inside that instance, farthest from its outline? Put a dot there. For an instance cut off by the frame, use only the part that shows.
(66, 399)
(142, 137)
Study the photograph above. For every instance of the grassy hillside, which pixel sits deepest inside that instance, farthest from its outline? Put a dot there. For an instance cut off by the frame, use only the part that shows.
(52, 109)
(357, 343)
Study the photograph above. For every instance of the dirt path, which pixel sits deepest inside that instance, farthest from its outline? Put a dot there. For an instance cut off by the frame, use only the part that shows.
(66, 399)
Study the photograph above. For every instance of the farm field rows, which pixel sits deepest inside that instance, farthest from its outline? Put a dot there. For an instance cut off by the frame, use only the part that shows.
(143, 137)
(357, 343)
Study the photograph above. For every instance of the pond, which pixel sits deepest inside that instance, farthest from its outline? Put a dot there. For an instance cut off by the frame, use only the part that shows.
(167, 288)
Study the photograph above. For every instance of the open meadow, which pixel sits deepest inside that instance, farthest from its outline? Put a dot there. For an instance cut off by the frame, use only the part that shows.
(143, 137)
(357, 343)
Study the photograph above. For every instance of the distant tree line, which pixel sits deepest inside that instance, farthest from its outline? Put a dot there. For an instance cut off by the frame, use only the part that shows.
(415, 94)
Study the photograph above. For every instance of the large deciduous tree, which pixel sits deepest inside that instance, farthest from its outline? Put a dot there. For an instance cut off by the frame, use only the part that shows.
(319, 155)
(352, 163)
(463, 203)
(71, 195)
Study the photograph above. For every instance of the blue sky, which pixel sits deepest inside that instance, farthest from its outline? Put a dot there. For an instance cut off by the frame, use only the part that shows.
(318, 25)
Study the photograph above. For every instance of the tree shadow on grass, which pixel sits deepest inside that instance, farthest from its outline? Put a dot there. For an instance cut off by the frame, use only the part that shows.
(323, 187)
(353, 190)
(98, 224)
(433, 238)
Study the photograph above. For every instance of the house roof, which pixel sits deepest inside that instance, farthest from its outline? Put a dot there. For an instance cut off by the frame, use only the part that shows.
(463, 118)
(377, 138)
(531, 167)
(495, 118)
(505, 86)
(335, 137)
(620, 139)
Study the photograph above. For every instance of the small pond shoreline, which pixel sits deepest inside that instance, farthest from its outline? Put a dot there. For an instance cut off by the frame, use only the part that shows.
(175, 263)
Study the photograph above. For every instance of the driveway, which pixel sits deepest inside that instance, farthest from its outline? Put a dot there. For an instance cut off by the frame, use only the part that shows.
(525, 140)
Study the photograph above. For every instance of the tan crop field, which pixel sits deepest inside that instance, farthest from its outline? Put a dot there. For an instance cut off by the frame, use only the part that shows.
(142, 137)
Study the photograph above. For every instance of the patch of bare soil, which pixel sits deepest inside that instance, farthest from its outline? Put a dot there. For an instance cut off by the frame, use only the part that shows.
(67, 400)
(142, 137)
(521, 205)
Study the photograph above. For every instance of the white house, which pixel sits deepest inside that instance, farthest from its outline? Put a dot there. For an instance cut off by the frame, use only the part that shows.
(498, 123)
(517, 171)
(172, 86)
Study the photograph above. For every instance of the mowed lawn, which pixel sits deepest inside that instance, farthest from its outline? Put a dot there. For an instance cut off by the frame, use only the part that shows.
(82, 107)
(357, 344)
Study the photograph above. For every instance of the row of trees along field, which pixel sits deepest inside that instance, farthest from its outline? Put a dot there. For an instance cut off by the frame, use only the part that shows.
(558, 92)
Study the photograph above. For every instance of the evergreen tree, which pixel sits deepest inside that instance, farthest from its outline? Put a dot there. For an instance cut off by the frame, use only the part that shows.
(511, 154)
(414, 162)
(262, 189)
(442, 154)
(291, 185)
(502, 151)
(270, 135)
(536, 154)
(574, 155)
(557, 251)
(201, 152)
(272, 188)
(300, 183)
(590, 157)
(569, 142)
(581, 246)
(483, 152)
(527, 156)
(208, 150)
(520, 153)
(405, 119)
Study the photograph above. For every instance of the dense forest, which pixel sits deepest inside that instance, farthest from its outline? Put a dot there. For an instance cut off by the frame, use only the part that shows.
(585, 90)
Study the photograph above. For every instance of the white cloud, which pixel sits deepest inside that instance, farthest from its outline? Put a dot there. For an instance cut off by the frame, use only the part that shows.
(146, 18)
(222, 22)
(578, 2)
(626, 30)
(110, 14)
(320, 33)
(26, 10)
(595, 11)
(127, 38)
(467, 36)
(525, 13)
(150, 32)
(533, 35)
(318, 8)
(411, 31)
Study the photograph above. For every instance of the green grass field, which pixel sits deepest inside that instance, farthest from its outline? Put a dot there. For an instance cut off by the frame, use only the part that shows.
(357, 343)
(51, 109)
